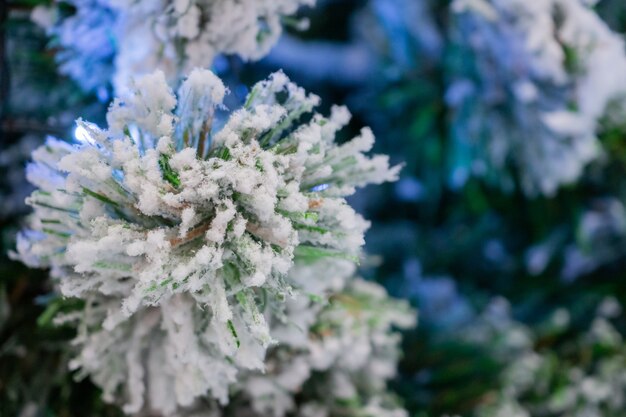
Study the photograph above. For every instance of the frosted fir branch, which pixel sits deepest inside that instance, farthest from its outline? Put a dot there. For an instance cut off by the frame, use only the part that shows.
(333, 359)
(533, 81)
(86, 48)
(545, 371)
(336, 358)
(164, 220)
(582, 378)
(343, 367)
(121, 39)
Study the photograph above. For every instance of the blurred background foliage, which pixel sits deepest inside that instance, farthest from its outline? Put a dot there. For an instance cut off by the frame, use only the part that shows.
(482, 264)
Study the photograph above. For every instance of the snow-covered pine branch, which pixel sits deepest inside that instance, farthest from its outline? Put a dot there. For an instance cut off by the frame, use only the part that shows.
(105, 41)
(533, 80)
(180, 234)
